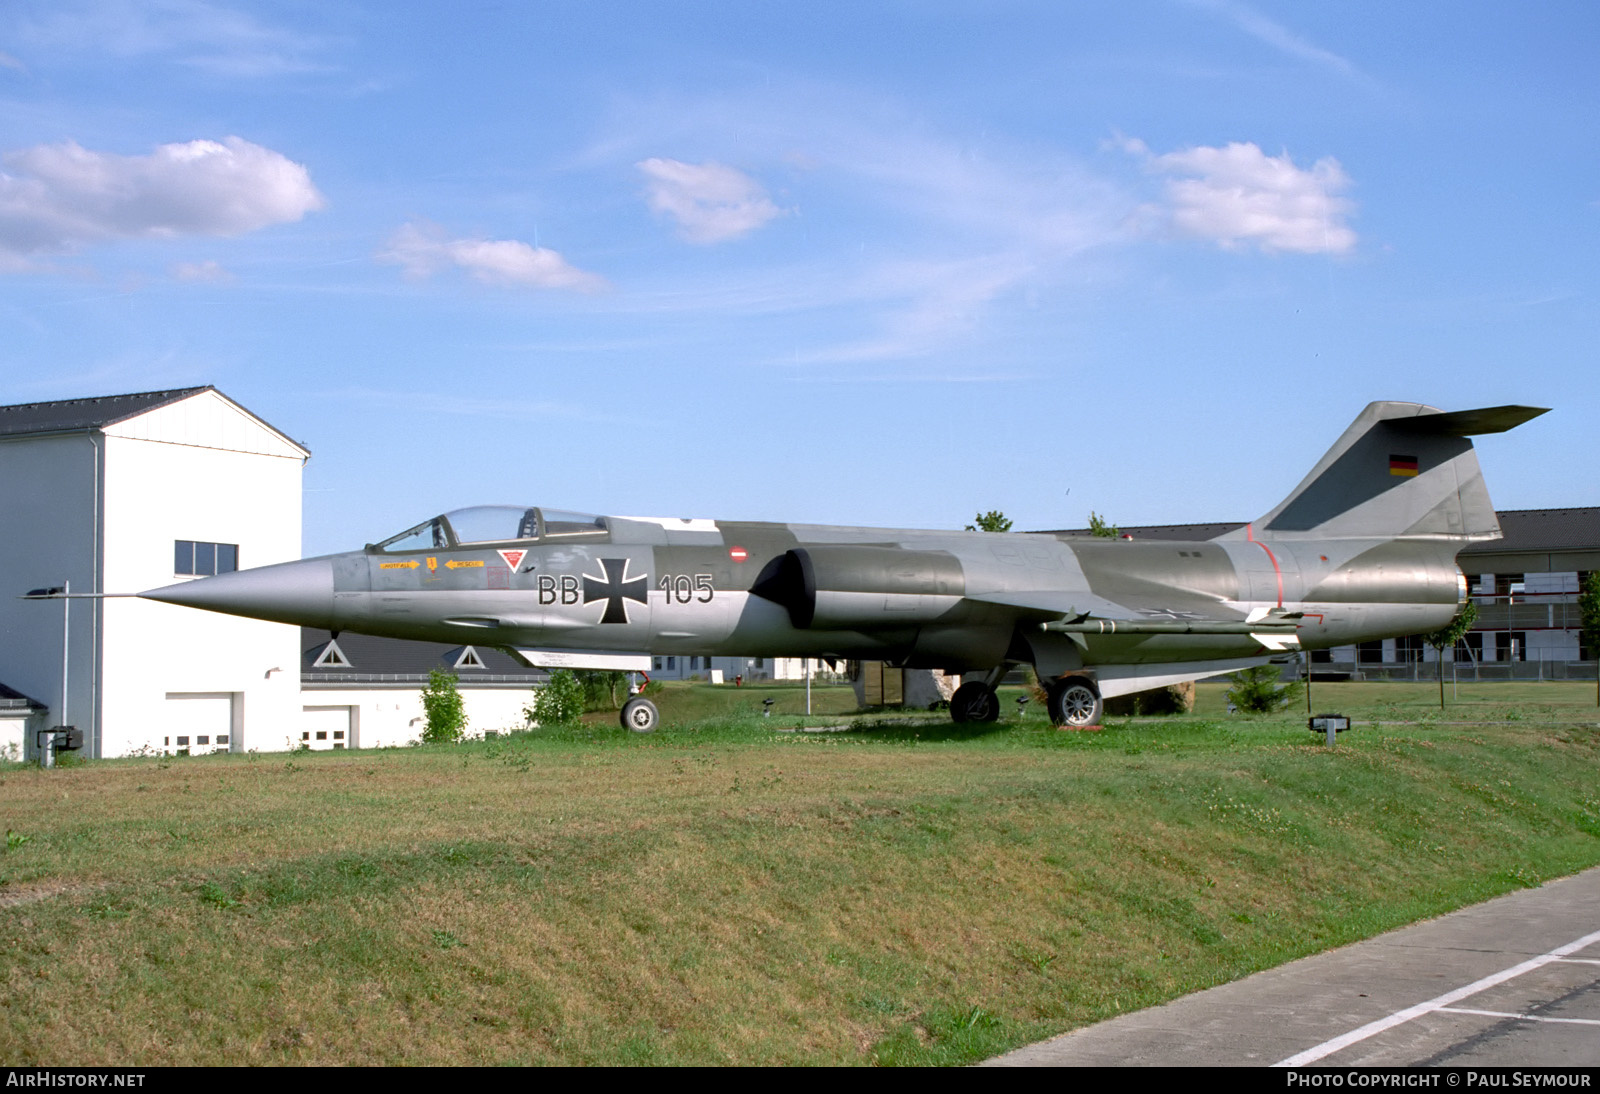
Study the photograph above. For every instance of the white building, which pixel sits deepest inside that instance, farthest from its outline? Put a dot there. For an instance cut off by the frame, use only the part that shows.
(727, 669)
(365, 692)
(131, 492)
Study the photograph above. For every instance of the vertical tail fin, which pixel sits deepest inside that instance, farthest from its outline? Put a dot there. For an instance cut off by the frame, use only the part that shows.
(1400, 470)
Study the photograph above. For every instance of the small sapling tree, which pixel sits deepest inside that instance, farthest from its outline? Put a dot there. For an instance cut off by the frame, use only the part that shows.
(1446, 637)
(1257, 690)
(600, 687)
(446, 712)
(1589, 620)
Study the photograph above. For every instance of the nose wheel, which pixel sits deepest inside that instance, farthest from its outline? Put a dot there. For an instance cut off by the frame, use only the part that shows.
(640, 715)
(974, 701)
(1075, 702)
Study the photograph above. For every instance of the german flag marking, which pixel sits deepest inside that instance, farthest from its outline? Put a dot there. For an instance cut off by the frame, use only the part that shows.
(1403, 466)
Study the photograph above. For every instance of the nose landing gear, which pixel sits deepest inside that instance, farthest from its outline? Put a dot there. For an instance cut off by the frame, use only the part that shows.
(640, 715)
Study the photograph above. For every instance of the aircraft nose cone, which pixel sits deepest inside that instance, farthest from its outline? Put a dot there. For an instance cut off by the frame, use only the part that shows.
(290, 592)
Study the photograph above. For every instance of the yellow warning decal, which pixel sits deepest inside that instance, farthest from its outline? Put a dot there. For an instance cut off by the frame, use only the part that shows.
(409, 564)
(465, 564)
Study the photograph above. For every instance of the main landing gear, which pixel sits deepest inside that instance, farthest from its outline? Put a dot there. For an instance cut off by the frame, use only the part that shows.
(974, 701)
(1074, 702)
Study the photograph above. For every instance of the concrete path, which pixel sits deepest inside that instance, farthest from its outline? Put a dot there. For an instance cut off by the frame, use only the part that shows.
(1511, 982)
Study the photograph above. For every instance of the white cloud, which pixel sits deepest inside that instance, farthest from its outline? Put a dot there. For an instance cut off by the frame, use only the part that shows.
(57, 198)
(208, 272)
(1239, 196)
(1277, 35)
(424, 249)
(710, 201)
(199, 33)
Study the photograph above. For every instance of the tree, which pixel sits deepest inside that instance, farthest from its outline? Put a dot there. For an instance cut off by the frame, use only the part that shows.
(599, 687)
(559, 702)
(992, 521)
(446, 711)
(1257, 691)
(1447, 636)
(1099, 527)
(1589, 615)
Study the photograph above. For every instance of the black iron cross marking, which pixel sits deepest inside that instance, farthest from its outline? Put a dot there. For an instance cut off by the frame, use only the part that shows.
(615, 588)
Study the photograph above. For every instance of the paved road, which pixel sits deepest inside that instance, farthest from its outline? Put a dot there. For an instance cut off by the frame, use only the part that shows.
(1511, 982)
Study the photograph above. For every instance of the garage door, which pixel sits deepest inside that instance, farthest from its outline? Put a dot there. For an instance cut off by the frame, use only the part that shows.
(196, 723)
(325, 727)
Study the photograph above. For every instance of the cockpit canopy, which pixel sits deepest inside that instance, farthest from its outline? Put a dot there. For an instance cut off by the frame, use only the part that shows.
(487, 524)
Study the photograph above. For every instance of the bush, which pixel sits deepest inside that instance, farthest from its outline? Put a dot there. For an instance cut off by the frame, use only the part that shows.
(1257, 691)
(559, 702)
(445, 710)
(1172, 699)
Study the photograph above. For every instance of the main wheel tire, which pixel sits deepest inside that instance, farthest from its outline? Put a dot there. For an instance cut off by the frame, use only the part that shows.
(974, 701)
(640, 715)
(1075, 702)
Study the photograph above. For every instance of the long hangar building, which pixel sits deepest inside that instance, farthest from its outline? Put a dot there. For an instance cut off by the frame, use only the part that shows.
(130, 492)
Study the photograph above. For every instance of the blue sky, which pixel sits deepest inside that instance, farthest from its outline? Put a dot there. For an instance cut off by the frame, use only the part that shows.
(853, 263)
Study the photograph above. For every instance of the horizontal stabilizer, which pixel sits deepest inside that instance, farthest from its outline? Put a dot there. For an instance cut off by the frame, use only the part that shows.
(1471, 423)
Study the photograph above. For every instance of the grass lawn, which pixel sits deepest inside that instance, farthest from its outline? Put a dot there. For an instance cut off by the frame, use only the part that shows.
(729, 890)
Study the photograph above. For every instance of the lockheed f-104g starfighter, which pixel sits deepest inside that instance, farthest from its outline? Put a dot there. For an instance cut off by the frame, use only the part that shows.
(1364, 548)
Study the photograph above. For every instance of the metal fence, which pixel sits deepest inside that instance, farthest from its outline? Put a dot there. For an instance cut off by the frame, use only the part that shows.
(1461, 671)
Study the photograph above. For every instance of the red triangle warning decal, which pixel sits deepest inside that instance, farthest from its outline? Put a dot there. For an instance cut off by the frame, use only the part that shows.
(513, 558)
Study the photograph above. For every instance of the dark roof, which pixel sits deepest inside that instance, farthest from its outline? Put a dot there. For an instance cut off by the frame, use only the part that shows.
(393, 660)
(96, 413)
(1544, 530)
(1525, 530)
(12, 699)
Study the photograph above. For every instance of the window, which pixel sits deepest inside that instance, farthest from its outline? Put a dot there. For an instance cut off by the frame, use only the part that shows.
(1510, 646)
(1509, 586)
(204, 559)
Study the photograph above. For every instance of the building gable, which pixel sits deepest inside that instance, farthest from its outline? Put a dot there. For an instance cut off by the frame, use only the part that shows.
(207, 419)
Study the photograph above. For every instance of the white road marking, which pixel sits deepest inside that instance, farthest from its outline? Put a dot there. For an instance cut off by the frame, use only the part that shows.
(1519, 1017)
(1328, 1048)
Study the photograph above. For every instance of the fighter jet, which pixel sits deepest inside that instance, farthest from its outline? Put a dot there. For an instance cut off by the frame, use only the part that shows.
(1364, 548)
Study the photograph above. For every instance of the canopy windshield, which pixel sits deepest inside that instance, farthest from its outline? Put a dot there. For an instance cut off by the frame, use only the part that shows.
(492, 524)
